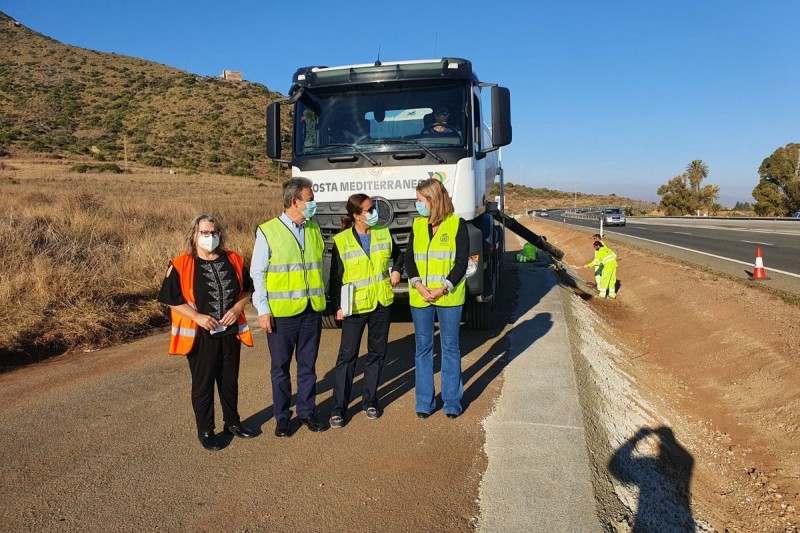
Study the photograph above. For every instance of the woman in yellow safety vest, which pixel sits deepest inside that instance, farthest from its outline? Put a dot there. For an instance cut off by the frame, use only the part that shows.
(368, 263)
(206, 289)
(436, 265)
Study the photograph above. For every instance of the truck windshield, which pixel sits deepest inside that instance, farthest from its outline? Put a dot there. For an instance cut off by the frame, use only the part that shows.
(402, 116)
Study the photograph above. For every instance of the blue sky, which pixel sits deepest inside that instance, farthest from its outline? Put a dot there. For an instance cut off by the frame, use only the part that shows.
(607, 96)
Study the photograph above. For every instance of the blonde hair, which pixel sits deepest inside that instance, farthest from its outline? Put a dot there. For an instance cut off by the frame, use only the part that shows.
(191, 235)
(441, 206)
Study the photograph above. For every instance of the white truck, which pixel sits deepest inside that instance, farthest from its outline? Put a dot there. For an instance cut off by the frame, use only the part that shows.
(371, 128)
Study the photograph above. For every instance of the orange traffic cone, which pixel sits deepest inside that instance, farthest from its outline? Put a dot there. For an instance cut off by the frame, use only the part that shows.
(758, 271)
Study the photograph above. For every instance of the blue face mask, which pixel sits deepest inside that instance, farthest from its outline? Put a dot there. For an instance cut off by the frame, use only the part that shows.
(422, 209)
(372, 217)
(311, 208)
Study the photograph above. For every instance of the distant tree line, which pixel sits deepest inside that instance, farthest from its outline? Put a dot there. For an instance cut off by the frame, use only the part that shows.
(777, 192)
(682, 195)
(778, 189)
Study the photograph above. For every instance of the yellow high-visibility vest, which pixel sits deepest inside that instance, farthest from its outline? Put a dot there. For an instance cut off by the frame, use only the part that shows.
(435, 259)
(604, 257)
(294, 276)
(368, 275)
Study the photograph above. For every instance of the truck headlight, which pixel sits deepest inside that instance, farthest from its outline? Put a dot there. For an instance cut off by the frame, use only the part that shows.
(472, 265)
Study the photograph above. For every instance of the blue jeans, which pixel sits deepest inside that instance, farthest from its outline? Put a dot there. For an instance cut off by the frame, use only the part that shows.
(452, 388)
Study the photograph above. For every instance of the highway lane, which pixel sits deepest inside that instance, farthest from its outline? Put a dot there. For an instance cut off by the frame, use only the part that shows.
(726, 245)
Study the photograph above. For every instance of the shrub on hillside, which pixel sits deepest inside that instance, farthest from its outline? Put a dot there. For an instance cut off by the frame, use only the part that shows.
(83, 168)
(109, 167)
(155, 161)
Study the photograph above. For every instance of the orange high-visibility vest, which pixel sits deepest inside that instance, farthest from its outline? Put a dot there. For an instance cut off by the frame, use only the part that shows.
(184, 329)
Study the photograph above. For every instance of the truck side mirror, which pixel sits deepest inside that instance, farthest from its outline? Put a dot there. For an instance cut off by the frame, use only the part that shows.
(501, 116)
(274, 130)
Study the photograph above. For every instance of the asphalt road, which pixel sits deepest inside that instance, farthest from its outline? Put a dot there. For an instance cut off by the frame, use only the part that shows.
(105, 441)
(725, 245)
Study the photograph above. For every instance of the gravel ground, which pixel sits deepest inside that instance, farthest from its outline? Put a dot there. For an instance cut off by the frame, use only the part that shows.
(688, 383)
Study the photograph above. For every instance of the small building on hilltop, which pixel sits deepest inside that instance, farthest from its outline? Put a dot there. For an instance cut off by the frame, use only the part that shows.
(231, 75)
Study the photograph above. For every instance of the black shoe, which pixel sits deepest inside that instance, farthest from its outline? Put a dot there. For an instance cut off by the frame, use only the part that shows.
(209, 441)
(313, 423)
(240, 430)
(451, 415)
(282, 428)
(422, 415)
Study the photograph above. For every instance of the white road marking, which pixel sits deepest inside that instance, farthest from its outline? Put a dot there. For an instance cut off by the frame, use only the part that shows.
(712, 255)
(760, 243)
(640, 225)
(682, 233)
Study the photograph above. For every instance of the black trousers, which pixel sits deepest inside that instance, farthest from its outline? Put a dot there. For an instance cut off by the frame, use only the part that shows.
(298, 335)
(215, 359)
(377, 341)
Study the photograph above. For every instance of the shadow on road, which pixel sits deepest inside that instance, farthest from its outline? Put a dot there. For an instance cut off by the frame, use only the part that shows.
(660, 468)
(398, 373)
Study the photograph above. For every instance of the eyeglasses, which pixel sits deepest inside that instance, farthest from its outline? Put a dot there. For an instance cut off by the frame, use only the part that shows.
(442, 113)
(206, 233)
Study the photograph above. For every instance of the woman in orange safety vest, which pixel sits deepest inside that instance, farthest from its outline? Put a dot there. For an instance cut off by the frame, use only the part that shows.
(206, 289)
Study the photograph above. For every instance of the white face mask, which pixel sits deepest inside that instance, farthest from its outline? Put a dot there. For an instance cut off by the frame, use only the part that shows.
(372, 218)
(311, 208)
(209, 244)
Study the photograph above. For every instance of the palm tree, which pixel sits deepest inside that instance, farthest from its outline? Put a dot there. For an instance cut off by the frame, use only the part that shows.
(696, 171)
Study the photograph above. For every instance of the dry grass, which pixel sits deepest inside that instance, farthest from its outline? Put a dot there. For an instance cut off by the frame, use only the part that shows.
(61, 99)
(82, 255)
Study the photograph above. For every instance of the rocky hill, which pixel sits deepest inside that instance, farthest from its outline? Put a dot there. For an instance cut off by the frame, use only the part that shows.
(66, 101)
(521, 198)
(63, 101)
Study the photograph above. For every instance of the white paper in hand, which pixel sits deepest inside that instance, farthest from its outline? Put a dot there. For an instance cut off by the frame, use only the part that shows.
(346, 300)
(219, 329)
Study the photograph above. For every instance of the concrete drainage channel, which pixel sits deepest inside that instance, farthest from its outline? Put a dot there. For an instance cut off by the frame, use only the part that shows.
(623, 431)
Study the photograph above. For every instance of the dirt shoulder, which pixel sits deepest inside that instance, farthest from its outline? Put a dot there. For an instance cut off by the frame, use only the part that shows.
(108, 437)
(711, 358)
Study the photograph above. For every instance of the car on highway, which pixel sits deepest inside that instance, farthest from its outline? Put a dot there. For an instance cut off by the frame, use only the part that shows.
(613, 216)
(544, 213)
(796, 214)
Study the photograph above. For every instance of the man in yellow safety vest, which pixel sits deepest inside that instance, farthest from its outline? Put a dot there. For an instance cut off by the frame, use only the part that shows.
(289, 295)
(605, 261)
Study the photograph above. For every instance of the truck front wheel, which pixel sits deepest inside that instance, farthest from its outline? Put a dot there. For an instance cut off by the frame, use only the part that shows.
(478, 315)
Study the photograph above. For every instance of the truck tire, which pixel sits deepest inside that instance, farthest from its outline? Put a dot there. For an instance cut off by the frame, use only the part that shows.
(478, 315)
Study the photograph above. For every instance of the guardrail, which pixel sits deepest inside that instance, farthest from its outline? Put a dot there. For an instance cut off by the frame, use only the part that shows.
(580, 215)
(693, 217)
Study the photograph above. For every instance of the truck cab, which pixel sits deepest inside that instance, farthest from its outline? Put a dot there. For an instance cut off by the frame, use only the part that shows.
(380, 129)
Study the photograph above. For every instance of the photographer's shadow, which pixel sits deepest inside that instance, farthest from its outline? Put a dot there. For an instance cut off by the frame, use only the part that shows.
(663, 480)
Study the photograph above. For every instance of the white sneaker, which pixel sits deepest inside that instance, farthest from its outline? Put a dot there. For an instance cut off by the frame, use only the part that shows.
(336, 422)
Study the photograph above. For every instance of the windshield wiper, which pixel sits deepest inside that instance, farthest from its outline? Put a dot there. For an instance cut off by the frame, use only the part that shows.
(430, 152)
(343, 145)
